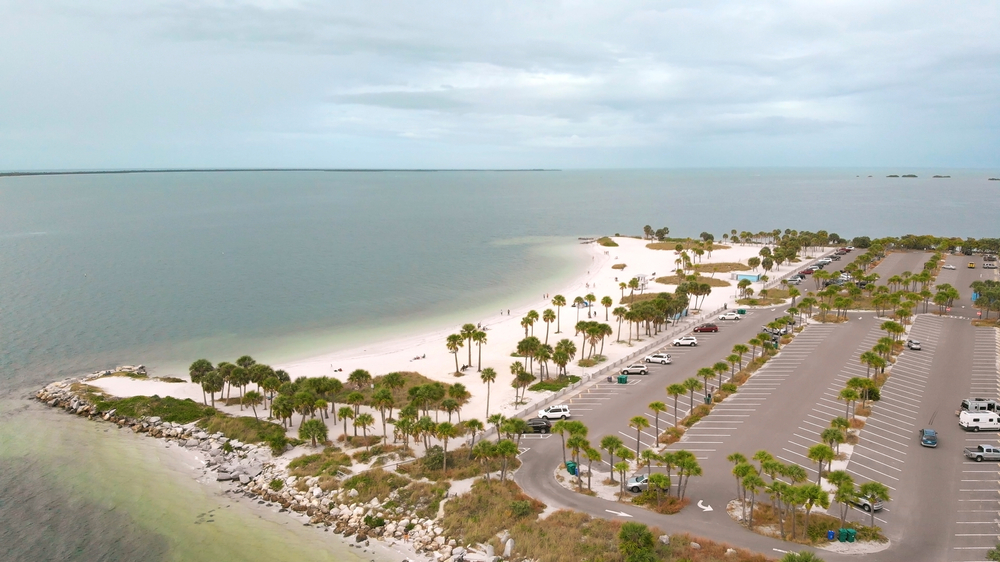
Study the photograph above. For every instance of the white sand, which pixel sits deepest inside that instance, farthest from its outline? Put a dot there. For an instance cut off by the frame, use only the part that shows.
(503, 333)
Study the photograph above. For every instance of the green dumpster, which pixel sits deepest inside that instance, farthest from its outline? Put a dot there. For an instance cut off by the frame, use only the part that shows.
(622, 379)
(708, 397)
(852, 534)
(842, 534)
(571, 467)
(741, 311)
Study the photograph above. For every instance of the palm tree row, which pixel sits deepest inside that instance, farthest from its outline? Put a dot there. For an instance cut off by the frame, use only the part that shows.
(787, 489)
(240, 374)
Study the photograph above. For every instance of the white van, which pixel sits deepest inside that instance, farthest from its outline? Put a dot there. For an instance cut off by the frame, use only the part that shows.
(824, 261)
(979, 421)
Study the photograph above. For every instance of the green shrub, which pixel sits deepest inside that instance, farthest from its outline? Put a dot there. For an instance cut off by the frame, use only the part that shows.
(729, 387)
(607, 242)
(242, 428)
(277, 484)
(374, 522)
(555, 384)
(520, 508)
(167, 408)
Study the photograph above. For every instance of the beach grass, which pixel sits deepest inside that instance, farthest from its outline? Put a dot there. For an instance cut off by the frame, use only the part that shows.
(478, 515)
(687, 243)
(677, 280)
(460, 466)
(607, 242)
(721, 267)
(618, 266)
(555, 384)
(423, 497)
(243, 428)
(399, 395)
(637, 298)
(330, 462)
(375, 483)
(167, 408)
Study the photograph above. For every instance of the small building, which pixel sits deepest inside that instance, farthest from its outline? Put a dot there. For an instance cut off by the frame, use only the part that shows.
(741, 276)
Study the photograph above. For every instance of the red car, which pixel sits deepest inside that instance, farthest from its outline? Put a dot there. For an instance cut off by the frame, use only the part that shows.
(807, 271)
(707, 328)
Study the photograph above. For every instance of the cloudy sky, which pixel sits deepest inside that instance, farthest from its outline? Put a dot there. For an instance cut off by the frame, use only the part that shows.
(472, 84)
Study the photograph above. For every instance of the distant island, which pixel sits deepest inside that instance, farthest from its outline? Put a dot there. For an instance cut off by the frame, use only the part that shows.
(942, 176)
(201, 170)
(903, 176)
(994, 179)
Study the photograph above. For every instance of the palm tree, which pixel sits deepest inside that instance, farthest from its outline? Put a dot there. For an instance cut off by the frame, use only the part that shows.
(706, 373)
(740, 349)
(833, 437)
(454, 343)
(282, 408)
(474, 427)
(848, 395)
(657, 407)
(345, 413)
(606, 302)
(253, 398)
(548, 316)
(753, 483)
(558, 301)
(633, 284)
(506, 450)
(360, 378)
(198, 370)
(611, 443)
(488, 376)
(874, 491)
(483, 452)
(820, 453)
(562, 427)
(576, 444)
(638, 423)
(479, 337)
(364, 421)
(814, 495)
(446, 431)
(676, 390)
(212, 382)
(382, 401)
(592, 455)
(621, 468)
(692, 384)
(754, 342)
(468, 330)
(313, 430)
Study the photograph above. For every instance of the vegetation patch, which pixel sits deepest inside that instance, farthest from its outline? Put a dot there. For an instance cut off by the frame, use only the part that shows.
(129, 374)
(169, 379)
(591, 361)
(607, 242)
(555, 384)
(618, 266)
(665, 505)
(829, 318)
(167, 408)
(677, 280)
(460, 465)
(695, 416)
(765, 522)
(330, 462)
(245, 429)
(375, 483)
(672, 435)
(424, 497)
(687, 243)
(478, 515)
(721, 267)
(391, 452)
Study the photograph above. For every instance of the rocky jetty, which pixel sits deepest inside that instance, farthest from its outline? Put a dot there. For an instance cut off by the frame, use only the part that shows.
(252, 473)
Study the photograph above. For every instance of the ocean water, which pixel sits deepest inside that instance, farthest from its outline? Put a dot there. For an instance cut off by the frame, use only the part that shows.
(164, 268)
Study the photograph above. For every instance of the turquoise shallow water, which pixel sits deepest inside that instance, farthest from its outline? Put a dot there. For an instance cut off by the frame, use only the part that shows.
(101, 270)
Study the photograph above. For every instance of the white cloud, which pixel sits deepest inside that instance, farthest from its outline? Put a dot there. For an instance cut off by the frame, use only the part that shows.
(456, 84)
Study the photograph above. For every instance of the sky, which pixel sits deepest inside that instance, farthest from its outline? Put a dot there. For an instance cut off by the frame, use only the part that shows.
(116, 84)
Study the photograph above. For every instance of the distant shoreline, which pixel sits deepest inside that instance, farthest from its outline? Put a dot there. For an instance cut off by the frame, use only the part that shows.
(200, 170)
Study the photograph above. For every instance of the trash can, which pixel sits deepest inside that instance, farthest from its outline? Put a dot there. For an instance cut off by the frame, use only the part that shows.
(708, 397)
(622, 379)
(831, 535)
(842, 534)
(571, 467)
(852, 534)
(741, 311)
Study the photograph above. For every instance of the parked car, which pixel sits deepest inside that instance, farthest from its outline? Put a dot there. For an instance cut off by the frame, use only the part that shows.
(928, 437)
(795, 281)
(731, 315)
(835, 257)
(989, 257)
(707, 328)
(661, 358)
(849, 248)
(989, 265)
(638, 483)
(553, 412)
(913, 344)
(686, 340)
(635, 369)
(868, 504)
(539, 425)
(807, 271)
(947, 266)
(972, 265)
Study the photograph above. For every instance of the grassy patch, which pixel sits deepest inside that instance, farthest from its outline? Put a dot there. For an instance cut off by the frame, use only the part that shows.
(241, 428)
(668, 505)
(681, 550)
(555, 384)
(169, 379)
(424, 497)
(765, 522)
(695, 416)
(460, 466)
(329, 462)
(618, 266)
(168, 408)
(672, 435)
(829, 318)
(375, 483)
(399, 395)
(591, 361)
(129, 374)
(637, 298)
(677, 280)
(721, 267)
(687, 243)
(479, 515)
(393, 452)
(607, 242)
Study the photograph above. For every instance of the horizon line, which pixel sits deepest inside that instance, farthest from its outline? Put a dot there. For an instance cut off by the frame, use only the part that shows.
(208, 170)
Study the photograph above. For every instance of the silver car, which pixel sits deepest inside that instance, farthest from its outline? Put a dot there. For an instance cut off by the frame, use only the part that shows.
(638, 483)
(636, 369)
(868, 505)
(661, 358)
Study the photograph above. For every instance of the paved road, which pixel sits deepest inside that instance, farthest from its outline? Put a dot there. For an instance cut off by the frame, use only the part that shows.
(961, 277)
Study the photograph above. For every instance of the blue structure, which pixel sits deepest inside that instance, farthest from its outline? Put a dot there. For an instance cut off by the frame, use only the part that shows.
(742, 276)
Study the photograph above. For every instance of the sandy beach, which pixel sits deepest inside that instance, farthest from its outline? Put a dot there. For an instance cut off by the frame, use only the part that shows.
(426, 353)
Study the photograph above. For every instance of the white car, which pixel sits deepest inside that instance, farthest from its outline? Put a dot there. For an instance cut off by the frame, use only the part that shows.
(554, 412)
(733, 315)
(686, 340)
(636, 369)
(661, 358)
(947, 266)
(989, 265)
